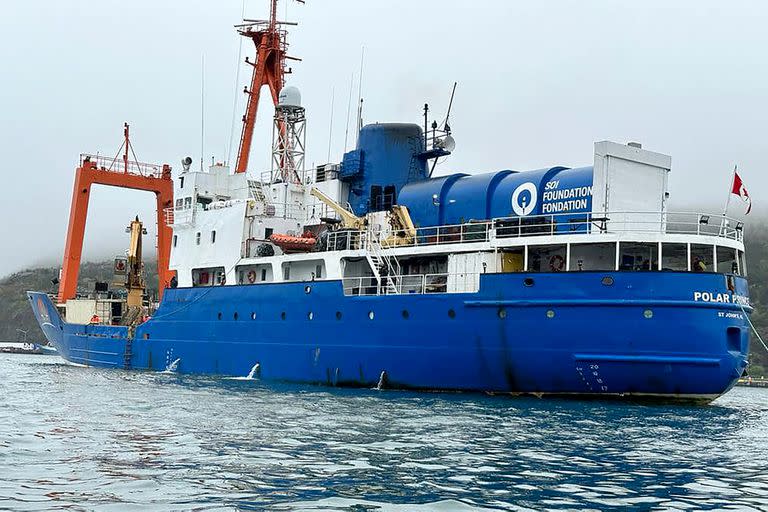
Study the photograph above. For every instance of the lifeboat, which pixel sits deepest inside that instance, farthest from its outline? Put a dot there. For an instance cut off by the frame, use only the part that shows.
(289, 244)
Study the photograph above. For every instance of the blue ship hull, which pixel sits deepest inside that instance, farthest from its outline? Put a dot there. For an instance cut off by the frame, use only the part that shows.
(567, 333)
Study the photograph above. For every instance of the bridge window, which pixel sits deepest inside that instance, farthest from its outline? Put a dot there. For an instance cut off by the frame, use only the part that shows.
(175, 240)
(197, 238)
(701, 258)
(546, 258)
(638, 256)
(674, 257)
(600, 256)
(727, 262)
(181, 182)
(213, 236)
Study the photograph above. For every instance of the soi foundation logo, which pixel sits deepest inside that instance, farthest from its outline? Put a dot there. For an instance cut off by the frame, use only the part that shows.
(524, 199)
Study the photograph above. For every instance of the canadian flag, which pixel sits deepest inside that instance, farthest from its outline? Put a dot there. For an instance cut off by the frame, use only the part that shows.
(741, 191)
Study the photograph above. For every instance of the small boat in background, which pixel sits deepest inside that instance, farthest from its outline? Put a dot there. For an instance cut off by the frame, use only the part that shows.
(27, 348)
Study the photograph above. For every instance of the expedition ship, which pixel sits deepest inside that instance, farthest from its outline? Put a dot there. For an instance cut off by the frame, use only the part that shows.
(372, 271)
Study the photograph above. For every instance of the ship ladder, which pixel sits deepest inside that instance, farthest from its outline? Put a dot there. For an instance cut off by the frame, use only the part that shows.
(256, 191)
(128, 354)
(381, 262)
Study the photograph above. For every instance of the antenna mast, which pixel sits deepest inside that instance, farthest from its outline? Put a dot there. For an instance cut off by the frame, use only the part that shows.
(269, 69)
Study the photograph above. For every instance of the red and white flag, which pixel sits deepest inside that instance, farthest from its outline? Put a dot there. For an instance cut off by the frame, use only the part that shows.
(741, 191)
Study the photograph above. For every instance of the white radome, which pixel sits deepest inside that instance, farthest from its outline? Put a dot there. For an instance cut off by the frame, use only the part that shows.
(289, 97)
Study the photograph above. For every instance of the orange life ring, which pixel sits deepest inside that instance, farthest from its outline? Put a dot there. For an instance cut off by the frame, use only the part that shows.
(251, 276)
(556, 263)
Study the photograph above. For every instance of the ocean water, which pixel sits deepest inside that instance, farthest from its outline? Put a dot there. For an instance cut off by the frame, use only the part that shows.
(87, 439)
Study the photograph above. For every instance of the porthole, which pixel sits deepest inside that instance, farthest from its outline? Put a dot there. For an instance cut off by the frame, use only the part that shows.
(648, 313)
(550, 313)
(451, 313)
(310, 315)
(406, 314)
(282, 315)
(502, 313)
(253, 316)
(370, 315)
(218, 316)
(528, 281)
(607, 281)
(235, 316)
(307, 289)
(338, 315)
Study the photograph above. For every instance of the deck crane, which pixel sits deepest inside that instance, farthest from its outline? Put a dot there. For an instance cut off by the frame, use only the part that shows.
(403, 230)
(348, 219)
(134, 280)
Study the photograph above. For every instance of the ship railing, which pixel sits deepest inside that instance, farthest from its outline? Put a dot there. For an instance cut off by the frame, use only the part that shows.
(465, 282)
(286, 211)
(346, 239)
(640, 223)
(179, 215)
(118, 165)
(269, 178)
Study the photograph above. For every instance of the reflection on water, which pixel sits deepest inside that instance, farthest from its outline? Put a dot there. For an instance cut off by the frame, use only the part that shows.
(88, 439)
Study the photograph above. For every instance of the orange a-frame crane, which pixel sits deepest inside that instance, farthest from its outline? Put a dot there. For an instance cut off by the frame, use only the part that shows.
(269, 69)
(123, 173)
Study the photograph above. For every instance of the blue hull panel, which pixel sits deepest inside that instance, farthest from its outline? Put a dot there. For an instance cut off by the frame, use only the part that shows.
(568, 333)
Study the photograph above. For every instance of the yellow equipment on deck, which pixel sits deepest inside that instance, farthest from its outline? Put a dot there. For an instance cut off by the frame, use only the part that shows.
(134, 280)
(403, 230)
(402, 225)
(348, 219)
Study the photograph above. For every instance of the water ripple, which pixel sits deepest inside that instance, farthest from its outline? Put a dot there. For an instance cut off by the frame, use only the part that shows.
(88, 439)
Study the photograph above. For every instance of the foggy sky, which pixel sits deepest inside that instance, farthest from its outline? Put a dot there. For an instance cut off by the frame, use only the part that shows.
(539, 82)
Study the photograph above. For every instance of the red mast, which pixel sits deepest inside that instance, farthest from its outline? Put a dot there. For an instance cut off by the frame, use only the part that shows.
(269, 69)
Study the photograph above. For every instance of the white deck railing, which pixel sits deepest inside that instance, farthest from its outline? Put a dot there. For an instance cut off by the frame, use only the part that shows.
(552, 225)
(463, 282)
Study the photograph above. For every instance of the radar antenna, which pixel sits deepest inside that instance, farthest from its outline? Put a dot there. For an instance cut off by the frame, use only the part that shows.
(439, 142)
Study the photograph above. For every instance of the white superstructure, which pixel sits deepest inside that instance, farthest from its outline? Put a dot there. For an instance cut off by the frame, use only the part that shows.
(223, 222)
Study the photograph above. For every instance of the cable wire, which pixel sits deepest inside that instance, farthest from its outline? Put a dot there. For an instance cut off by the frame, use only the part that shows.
(235, 95)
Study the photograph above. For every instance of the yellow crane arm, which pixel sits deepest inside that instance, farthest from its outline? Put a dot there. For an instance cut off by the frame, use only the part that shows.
(134, 249)
(134, 279)
(403, 218)
(349, 219)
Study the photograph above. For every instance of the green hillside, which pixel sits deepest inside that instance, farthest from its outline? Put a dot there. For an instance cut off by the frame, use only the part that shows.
(16, 314)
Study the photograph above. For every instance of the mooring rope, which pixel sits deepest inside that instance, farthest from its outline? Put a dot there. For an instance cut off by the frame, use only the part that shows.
(753, 328)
